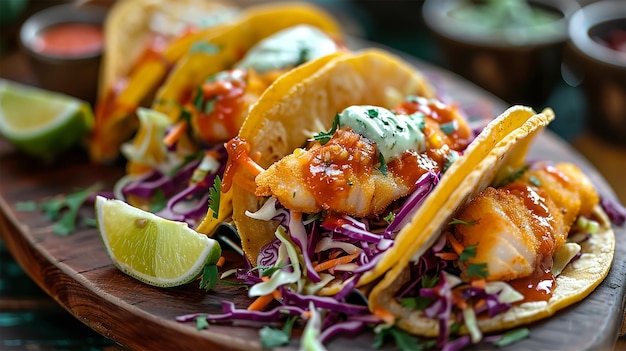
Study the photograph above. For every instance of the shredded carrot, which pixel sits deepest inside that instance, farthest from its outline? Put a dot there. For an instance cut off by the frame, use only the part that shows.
(456, 245)
(175, 133)
(479, 283)
(385, 315)
(221, 261)
(276, 294)
(458, 300)
(479, 304)
(335, 254)
(306, 314)
(447, 256)
(260, 302)
(335, 262)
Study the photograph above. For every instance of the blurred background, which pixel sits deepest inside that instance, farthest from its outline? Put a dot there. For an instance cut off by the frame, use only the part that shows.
(530, 58)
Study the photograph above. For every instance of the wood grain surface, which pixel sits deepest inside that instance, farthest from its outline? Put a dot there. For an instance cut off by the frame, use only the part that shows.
(77, 273)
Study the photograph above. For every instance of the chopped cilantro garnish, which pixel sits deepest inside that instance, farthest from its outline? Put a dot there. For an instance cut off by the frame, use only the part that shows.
(383, 164)
(511, 177)
(198, 99)
(90, 222)
(271, 337)
(372, 113)
(158, 201)
(449, 159)
(209, 277)
(449, 127)
(404, 341)
(512, 336)
(64, 210)
(214, 196)
(201, 322)
(390, 217)
(266, 271)
(204, 47)
(418, 303)
(305, 55)
(209, 106)
(429, 282)
(459, 221)
(468, 252)
(26, 206)
(477, 270)
(324, 137)
(534, 181)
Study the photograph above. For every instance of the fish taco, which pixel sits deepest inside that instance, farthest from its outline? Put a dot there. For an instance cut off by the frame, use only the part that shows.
(176, 156)
(162, 78)
(510, 243)
(327, 157)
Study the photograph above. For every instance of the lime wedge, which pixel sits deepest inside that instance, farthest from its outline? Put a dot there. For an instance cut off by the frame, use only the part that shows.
(40, 122)
(149, 248)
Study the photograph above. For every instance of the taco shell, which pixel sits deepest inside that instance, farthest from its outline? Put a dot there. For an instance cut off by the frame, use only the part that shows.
(185, 63)
(302, 103)
(131, 23)
(500, 144)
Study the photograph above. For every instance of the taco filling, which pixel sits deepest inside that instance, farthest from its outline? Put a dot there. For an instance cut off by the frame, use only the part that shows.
(172, 166)
(342, 198)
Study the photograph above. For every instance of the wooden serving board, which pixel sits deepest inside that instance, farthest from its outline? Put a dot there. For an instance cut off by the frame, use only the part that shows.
(76, 271)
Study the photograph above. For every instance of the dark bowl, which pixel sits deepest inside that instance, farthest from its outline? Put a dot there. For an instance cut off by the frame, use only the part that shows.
(600, 68)
(520, 65)
(75, 75)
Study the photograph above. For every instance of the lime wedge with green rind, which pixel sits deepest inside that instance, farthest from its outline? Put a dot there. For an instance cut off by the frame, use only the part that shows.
(40, 122)
(152, 249)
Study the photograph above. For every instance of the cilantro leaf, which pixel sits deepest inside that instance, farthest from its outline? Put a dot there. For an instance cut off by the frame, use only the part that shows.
(419, 302)
(64, 210)
(26, 206)
(390, 217)
(404, 341)
(468, 252)
(209, 277)
(429, 282)
(477, 270)
(158, 201)
(214, 196)
(459, 221)
(204, 47)
(324, 137)
(201, 322)
(271, 337)
(383, 164)
(512, 336)
(449, 159)
(512, 176)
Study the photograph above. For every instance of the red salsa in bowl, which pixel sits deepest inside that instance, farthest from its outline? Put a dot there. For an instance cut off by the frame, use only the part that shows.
(64, 45)
(70, 40)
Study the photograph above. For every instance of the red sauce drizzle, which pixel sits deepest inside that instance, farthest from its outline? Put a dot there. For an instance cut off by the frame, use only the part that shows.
(333, 168)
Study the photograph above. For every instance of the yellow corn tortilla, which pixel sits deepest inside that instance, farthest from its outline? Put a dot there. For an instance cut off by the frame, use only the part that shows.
(506, 148)
(187, 62)
(300, 104)
(131, 23)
